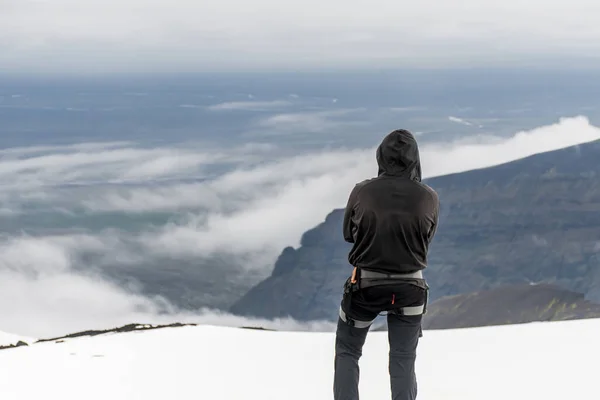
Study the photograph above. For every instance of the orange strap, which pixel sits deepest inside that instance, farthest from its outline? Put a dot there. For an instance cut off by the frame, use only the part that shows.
(353, 279)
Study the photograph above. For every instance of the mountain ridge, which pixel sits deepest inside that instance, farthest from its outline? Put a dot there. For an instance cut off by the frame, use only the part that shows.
(513, 304)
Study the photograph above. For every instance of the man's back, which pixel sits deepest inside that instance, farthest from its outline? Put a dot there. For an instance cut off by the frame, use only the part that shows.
(391, 219)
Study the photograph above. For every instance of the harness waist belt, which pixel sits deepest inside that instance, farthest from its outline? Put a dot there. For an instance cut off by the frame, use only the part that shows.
(364, 274)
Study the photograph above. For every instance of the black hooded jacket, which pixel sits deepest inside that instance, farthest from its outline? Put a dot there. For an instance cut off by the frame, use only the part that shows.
(391, 219)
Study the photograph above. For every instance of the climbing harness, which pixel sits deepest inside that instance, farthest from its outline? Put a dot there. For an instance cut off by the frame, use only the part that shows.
(362, 279)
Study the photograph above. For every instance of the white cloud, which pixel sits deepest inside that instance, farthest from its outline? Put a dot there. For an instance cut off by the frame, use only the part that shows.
(481, 152)
(185, 35)
(407, 109)
(277, 211)
(113, 162)
(168, 165)
(6, 211)
(91, 146)
(61, 303)
(43, 295)
(460, 121)
(40, 293)
(167, 197)
(34, 175)
(250, 105)
(308, 122)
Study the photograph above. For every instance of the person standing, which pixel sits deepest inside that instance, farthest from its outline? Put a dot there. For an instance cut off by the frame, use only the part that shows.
(390, 220)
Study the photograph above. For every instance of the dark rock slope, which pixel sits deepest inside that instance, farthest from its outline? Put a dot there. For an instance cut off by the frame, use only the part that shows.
(512, 304)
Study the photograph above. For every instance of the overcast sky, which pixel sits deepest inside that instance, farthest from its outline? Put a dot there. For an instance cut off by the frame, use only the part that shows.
(89, 36)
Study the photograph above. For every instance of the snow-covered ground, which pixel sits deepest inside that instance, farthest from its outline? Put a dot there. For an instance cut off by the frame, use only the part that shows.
(534, 361)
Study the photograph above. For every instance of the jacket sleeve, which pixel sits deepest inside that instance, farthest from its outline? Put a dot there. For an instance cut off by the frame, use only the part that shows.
(436, 216)
(348, 225)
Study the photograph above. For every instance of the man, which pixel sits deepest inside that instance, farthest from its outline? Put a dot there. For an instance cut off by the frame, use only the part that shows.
(391, 220)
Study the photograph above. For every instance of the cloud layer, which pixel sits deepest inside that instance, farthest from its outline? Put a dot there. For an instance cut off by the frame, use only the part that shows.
(183, 35)
(51, 282)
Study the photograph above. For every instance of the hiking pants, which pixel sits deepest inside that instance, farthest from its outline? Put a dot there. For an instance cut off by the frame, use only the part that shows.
(403, 336)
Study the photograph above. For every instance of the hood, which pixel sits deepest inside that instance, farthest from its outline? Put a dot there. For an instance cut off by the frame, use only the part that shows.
(398, 155)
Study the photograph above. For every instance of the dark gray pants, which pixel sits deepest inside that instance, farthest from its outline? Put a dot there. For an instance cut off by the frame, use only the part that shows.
(403, 336)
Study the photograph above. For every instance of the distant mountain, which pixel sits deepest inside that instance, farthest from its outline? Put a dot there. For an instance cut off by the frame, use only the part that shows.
(513, 304)
(529, 221)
